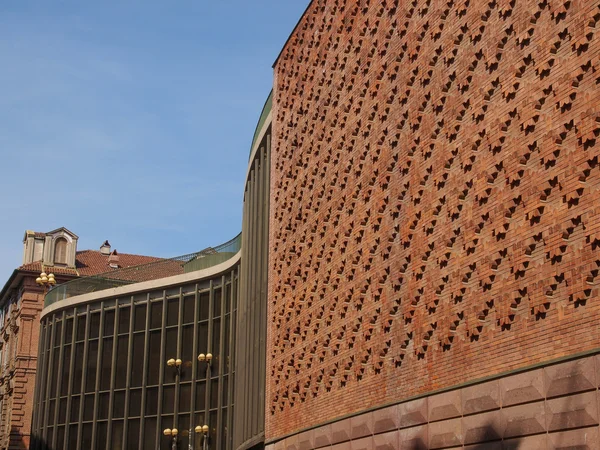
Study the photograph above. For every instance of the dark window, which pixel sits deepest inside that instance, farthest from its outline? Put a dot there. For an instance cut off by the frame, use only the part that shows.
(60, 251)
(135, 402)
(121, 364)
(204, 305)
(137, 363)
(154, 362)
(168, 399)
(80, 328)
(117, 435)
(139, 318)
(119, 404)
(69, 330)
(106, 363)
(101, 430)
(149, 433)
(151, 401)
(88, 407)
(92, 365)
(133, 434)
(216, 302)
(172, 311)
(74, 409)
(185, 394)
(188, 308)
(124, 319)
(78, 372)
(103, 400)
(109, 323)
(72, 436)
(94, 325)
(156, 314)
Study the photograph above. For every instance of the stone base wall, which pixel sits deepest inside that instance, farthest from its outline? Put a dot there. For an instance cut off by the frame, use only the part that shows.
(551, 407)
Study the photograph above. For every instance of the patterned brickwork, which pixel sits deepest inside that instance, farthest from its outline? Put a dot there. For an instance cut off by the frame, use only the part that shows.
(434, 199)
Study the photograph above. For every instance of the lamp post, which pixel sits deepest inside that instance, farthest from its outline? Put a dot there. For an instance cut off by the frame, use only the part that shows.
(46, 280)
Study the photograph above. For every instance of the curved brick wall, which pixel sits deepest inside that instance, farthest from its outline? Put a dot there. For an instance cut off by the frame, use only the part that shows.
(433, 213)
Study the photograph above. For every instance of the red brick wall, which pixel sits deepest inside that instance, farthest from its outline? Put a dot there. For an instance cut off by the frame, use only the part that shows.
(434, 212)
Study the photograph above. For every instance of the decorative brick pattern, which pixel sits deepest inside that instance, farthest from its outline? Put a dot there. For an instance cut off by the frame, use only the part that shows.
(434, 215)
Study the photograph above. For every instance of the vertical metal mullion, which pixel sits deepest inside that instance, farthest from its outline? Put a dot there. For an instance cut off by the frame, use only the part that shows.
(250, 329)
(144, 371)
(128, 376)
(264, 242)
(97, 385)
(178, 377)
(40, 362)
(86, 341)
(161, 377)
(258, 290)
(113, 369)
(231, 356)
(49, 379)
(71, 377)
(59, 378)
(194, 366)
(221, 365)
(209, 347)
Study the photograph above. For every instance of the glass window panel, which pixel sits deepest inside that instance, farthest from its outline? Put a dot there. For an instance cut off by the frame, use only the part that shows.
(149, 438)
(199, 420)
(103, 405)
(124, 313)
(168, 399)
(170, 374)
(214, 393)
(172, 311)
(69, 330)
(62, 410)
(202, 348)
(50, 434)
(101, 430)
(60, 437)
(94, 325)
(183, 424)
(154, 362)
(185, 394)
(151, 401)
(135, 402)
(213, 428)
(78, 371)
(165, 422)
(86, 436)
(117, 435)
(51, 412)
(92, 365)
(188, 308)
(121, 363)
(72, 437)
(54, 376)
(88, 407)
(187, 347)
(226, 351)
(57, 333)
(215, 347)
(217, 302)
(133, 434)
(225, 389)
(137, 363)
(227, 298)
(204, 305)
(156, 314)
(74, 409)
(64, 379)
(80, 328)
(119, 404)
(139, 318)
(106, 363)
(109, 323)
(224, 428)
(201, 396)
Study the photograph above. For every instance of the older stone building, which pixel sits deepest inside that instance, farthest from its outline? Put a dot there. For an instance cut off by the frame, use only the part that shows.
(21, 301)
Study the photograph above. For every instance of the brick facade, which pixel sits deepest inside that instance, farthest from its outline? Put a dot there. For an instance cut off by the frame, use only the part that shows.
(434, 215)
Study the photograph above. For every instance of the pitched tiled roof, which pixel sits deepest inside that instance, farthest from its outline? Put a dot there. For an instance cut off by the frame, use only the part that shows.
(91, 262)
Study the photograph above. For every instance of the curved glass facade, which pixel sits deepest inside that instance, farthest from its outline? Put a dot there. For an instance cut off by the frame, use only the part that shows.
(109, 385)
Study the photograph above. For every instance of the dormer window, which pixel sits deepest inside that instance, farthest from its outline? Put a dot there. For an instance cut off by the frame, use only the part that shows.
(60, 251)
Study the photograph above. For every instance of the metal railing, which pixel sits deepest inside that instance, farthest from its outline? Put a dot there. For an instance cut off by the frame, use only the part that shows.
(162, 268)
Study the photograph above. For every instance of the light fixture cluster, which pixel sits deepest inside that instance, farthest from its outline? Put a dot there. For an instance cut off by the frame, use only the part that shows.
(208, 357)
(45, 280)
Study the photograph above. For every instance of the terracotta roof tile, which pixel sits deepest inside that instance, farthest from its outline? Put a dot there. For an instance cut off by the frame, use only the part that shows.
(91, 262)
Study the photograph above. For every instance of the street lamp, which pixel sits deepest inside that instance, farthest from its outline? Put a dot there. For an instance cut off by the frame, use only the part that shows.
(46, 280)
(204, 430)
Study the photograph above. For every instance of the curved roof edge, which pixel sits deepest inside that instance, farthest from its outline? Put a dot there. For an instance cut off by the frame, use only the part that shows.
(262, 119)
(159, 283)
(292, 33)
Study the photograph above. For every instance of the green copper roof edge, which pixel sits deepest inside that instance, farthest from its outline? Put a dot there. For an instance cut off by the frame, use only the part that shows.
(263, 116)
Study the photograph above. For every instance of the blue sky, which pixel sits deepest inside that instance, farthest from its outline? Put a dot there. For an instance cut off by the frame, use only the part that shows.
(131, 120)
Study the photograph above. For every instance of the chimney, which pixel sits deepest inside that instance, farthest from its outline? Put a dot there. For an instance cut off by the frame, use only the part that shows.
(113, 259)
(105, 248)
